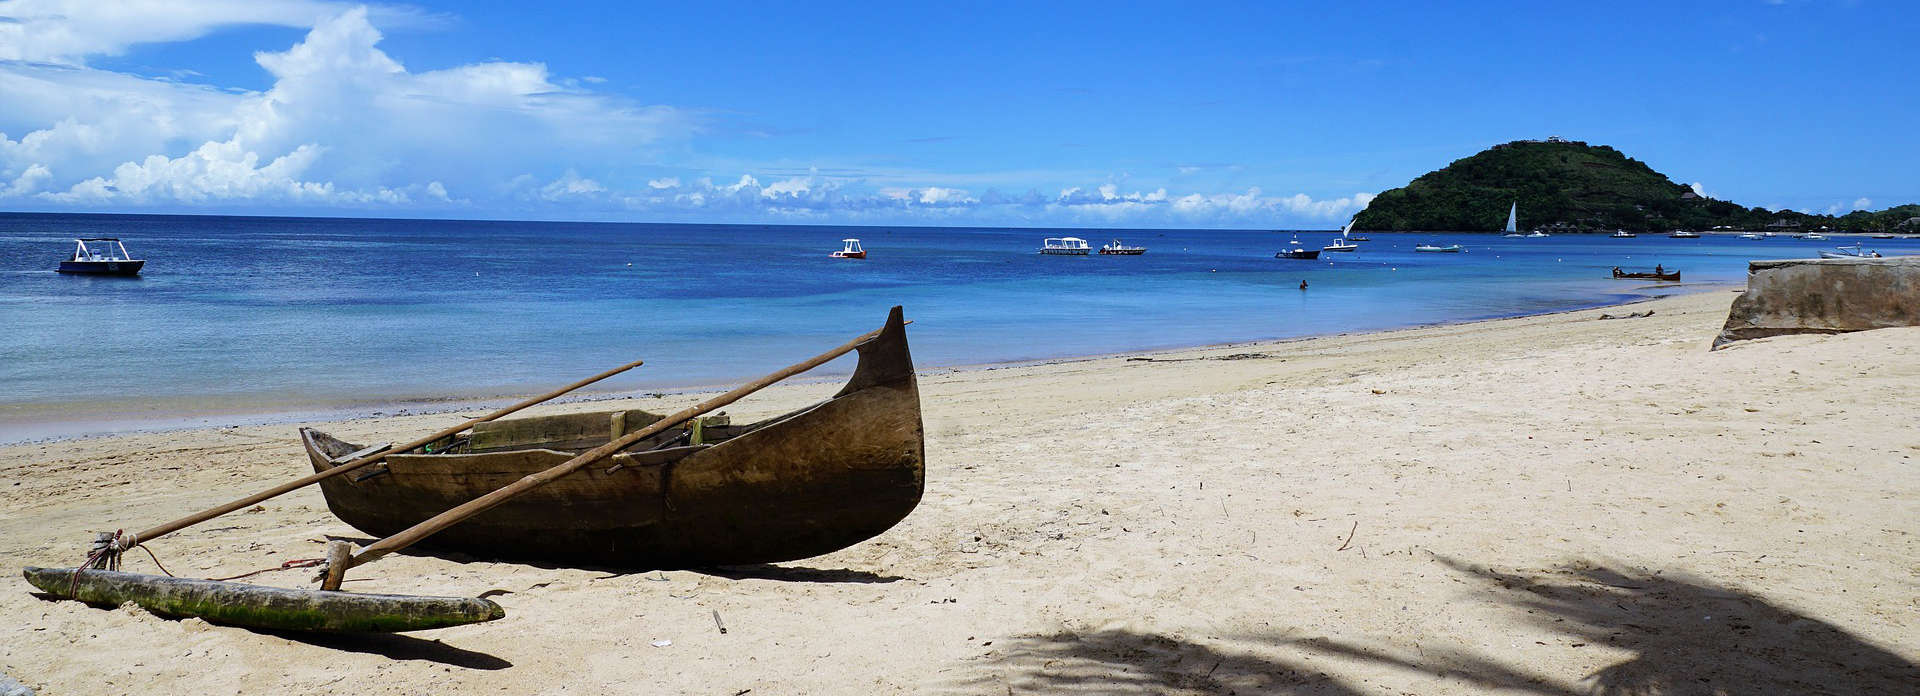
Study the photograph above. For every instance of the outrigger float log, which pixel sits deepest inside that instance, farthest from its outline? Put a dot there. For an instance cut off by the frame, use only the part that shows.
(327, 609)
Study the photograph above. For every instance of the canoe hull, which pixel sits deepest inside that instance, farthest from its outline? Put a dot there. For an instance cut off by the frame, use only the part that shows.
(807, 483)
(263, 607)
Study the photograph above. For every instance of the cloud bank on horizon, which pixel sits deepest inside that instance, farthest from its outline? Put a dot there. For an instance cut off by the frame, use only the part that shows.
(345, 128)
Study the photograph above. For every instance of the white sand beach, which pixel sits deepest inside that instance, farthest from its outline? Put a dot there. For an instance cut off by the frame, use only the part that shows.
(1549, 505)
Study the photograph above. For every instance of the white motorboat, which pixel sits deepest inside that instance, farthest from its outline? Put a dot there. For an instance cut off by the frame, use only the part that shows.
(1065, 246)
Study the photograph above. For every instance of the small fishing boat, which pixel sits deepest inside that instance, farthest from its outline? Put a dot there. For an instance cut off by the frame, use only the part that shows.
(1850, 252)
(1116, 248)
(1658, 273)
(1536, 234)
(1622, 234)
(1816, 236)
(106, 256)
(1342, 243)
(1883, 235)
(804, 483)
(1435, 248)
(1513, 220)
(793, 486)
(1065, 246)
(1296, 251)
(849, 249)
(1752, 235)
(1683, 234)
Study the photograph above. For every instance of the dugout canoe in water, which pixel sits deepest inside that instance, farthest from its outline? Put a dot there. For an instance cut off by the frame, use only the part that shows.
(802, 484)
(261, 606)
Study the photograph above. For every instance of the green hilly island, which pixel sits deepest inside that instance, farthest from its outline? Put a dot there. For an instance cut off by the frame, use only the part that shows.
(1565, 185)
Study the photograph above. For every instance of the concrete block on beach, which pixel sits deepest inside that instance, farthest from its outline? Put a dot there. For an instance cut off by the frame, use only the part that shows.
(1824, 296)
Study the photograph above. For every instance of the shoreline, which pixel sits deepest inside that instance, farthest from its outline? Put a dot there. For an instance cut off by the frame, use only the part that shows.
(49, 430)
(1437, 510)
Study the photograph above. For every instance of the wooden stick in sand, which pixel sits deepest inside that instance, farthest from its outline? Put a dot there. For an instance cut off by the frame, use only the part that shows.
(409, 536)
(210, 513)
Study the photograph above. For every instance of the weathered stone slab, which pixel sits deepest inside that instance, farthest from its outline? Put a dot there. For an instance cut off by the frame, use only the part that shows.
(1824, 296)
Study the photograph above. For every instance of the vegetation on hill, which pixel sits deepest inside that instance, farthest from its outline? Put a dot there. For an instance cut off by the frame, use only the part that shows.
(1570, 185)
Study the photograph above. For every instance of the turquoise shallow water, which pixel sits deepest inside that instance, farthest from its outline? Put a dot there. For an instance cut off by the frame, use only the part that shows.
(239, 315)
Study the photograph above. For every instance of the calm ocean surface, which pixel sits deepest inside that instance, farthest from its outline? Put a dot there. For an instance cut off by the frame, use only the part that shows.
(300, 315)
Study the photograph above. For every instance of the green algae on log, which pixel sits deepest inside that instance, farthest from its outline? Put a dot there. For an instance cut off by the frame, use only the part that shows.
(264, 607)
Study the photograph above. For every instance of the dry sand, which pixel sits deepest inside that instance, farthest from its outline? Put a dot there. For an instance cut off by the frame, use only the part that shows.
(1548, 505)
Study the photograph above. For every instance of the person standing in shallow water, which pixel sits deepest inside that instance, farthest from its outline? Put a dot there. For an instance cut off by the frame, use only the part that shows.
(1303, 285)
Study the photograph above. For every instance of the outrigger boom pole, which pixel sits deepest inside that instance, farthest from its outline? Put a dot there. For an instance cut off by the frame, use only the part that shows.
(302, 482)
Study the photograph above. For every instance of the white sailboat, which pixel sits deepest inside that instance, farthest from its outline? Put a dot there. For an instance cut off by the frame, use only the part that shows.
(1513, 217)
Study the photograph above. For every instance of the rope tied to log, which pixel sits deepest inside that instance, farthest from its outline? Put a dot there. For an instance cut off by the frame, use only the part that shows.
(286, 565)
(107, 549)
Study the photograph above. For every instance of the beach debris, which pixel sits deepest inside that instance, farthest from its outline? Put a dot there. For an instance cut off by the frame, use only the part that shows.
(1635, 315)
(1233, 356)
(12, 687)
(719, 624)
(662, 643)
(1343, 544)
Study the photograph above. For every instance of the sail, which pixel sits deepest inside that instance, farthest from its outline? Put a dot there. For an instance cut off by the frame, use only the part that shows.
(1349, 228)
(1513, 216)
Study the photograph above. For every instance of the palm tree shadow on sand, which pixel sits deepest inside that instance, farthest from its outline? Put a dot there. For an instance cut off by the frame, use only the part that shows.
(1687, 637)
(1126, 662)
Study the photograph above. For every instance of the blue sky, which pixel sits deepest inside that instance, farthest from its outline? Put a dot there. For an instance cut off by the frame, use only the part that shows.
(1155, 115)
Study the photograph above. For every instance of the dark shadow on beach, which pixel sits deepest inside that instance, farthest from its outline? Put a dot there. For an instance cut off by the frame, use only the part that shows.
(1687, 637)
(769, 571)
(1126, 662)
(394, 646)
(1693, 636)
(755, 571)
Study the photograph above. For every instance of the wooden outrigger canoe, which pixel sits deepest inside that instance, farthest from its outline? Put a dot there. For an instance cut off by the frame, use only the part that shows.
(706, 493)
(262, 606)
(805, 483)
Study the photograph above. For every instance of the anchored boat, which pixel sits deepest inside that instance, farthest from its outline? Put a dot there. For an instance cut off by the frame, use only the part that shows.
(1296, 251)
(1117, 248)
(1850, 252)
(1342, 244)
(107, 256)
(1658, 273)
(1064, 246)
(849, 249)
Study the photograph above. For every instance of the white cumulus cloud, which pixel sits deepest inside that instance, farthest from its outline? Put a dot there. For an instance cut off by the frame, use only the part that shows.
(343, 123)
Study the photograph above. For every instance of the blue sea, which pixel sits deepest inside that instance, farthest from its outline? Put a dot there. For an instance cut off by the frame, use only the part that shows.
(250, 315)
